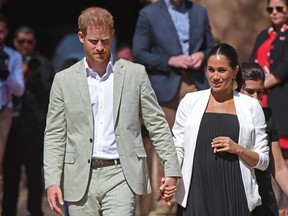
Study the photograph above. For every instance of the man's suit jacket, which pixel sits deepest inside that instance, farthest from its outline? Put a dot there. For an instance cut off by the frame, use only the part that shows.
(155, 41)
(252, 135)
(69, 131)
(278, 60)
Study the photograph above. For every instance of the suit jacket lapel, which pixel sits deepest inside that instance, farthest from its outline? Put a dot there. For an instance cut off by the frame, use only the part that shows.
(169, 22)
(194, 25)
(81, 82)
(119, 74)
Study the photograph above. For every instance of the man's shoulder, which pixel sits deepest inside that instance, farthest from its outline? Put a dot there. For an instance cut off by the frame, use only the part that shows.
(152, 6)
(11, 51)
(129, 64)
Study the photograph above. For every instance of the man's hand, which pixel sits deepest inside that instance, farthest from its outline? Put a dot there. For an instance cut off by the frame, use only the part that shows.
(197, 60)
(168, 188)
(54, 196)
(185, 62)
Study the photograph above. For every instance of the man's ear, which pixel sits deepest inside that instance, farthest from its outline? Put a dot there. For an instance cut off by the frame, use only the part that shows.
(81, 36)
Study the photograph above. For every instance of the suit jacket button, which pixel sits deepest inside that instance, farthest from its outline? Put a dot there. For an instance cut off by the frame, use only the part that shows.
(88, 161)
(91, 140)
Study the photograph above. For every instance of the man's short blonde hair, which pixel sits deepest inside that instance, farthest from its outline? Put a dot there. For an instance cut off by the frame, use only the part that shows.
(95, 17)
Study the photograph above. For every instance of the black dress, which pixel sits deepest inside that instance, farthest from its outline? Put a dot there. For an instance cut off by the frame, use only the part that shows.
(216, 185)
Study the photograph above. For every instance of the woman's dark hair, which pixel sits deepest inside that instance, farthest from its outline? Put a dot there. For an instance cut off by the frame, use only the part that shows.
(230, 53)
(252, 71)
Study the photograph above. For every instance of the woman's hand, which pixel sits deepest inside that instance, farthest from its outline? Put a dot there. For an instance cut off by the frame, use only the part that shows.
(224, 144)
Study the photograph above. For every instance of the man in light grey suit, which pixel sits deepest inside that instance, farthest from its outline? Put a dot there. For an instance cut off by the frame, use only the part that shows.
(93, 150)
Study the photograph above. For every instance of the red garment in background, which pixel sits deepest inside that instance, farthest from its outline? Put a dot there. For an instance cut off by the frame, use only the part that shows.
(262, 58)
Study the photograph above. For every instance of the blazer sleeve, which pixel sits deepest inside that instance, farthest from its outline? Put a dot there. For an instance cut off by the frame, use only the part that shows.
(178, 129)
(261, 142)
(55, 136)
(159, 131)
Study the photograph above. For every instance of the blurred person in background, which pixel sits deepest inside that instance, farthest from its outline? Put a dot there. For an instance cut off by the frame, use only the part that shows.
(125, 51)
(172, 40)
(25, 141)
(253, 78)
(11, 83)
(69, 47)
(271, 52)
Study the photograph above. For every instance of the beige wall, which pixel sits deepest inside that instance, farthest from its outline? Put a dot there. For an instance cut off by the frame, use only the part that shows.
(237, 22)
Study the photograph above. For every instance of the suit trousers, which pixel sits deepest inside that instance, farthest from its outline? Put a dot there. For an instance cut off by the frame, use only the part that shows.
(108, 194)
(186, 85)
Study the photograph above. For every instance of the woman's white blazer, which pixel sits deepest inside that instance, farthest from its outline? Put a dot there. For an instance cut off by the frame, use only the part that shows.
(252, 135)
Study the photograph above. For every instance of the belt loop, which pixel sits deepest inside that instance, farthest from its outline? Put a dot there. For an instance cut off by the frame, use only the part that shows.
(101, 163)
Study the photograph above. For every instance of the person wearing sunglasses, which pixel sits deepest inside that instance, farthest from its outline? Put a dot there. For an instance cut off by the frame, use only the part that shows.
(271, 52)
(11, 83)
(25, 141)
(253, 78)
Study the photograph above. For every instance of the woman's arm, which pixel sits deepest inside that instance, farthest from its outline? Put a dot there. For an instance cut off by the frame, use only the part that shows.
(278, 167)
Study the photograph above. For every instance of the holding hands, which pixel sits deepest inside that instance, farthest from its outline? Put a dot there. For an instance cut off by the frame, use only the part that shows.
(168, 188)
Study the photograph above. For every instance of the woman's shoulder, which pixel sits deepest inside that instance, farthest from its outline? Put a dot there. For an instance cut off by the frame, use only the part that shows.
(196, 94)
(192, 98)
(247, 100)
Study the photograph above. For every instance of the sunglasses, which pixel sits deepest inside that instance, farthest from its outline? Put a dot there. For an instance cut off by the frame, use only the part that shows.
(279, 9)
(22, 41)
(252, 91)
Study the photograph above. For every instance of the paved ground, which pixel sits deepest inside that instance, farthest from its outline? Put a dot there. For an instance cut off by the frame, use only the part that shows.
(22, 205)
(22, 210)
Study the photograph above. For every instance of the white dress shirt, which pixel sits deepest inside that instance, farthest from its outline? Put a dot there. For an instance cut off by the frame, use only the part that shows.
(101, 93)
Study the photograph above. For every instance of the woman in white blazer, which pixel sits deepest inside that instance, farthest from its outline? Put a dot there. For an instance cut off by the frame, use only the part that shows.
(220, 139)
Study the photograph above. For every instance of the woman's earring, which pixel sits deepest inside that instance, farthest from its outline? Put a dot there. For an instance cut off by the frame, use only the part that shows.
(235, 84)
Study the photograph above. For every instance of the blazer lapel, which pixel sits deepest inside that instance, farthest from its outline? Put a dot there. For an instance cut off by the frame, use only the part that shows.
(169, 22)
(193, 25)
(119, 74)
(81, 82)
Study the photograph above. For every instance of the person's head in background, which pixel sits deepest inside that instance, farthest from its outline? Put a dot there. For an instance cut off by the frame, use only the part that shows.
(2, 3)
(278, 12)
(253, 78)
(223, 69)
(124, 51)
(25, 40)
(3, 29)
(68, 63)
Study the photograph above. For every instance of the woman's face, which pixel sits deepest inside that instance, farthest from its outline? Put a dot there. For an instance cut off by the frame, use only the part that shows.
(278, 12)
(220, 74)
(253, 88)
